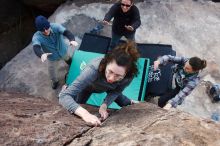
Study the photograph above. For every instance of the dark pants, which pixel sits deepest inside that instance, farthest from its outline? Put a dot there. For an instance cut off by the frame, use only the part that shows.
(116, 38)
(86, 93)
(167, 96)
(69, 61)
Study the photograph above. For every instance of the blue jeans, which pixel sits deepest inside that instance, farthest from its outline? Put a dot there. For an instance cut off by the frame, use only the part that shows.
(116, 38)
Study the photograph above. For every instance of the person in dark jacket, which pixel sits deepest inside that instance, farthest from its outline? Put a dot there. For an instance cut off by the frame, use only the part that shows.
(186, 75)
(49, 44)
(126, 20)
(111, 74)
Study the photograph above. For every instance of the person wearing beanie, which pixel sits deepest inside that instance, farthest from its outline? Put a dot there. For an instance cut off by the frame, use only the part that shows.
(49, 44)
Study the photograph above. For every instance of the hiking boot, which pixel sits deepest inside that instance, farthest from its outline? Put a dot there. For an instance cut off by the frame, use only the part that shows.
(54, 85)
(66, 76)
(69, 61)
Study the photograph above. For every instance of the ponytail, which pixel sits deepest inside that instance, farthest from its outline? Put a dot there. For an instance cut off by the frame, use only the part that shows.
(129, 48)
(204, 63)
(197, 63)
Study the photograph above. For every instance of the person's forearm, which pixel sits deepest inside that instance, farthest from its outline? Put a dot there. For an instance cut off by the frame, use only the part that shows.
(136, 24)
(37, 50)
(110, 98)
(109, 15)
(81, 112)
(178, 99)
(67, 101)
(104, 106)
(69, 35)
(136, 21)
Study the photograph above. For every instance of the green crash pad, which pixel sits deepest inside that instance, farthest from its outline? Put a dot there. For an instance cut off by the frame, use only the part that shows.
(136, 89)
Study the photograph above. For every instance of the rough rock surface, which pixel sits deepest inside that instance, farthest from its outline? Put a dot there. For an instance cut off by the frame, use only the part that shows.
(146, 124)
(26, 121)
(190, 26)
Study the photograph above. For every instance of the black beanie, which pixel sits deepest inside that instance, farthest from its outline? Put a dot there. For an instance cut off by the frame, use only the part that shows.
(41, 23)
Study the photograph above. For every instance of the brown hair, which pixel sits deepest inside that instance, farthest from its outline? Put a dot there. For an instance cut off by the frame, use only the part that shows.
(132, 1)
(197, 63)
(125, 55)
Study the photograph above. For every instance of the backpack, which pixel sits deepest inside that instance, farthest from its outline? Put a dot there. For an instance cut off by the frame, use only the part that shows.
(214, 92)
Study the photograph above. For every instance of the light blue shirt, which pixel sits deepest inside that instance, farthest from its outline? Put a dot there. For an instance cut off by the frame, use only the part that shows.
(54, 43)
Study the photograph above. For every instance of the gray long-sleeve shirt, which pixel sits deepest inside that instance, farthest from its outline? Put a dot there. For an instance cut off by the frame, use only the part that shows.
(91, 77)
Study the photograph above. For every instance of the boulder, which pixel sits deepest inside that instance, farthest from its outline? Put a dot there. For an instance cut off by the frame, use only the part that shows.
(28, 120)
(146, 124)
(46, 6)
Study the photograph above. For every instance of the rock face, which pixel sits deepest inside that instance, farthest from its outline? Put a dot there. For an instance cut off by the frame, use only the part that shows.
(46, 6)
(33, 77)
(192, 27)
(26, 120)
(146, 124)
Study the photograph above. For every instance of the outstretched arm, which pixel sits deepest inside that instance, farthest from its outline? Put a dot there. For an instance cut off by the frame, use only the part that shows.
(169, 58)
(71, 37)
(67, 96)
(136, 19)
(37, 50)
(110, 14)
(179, 98)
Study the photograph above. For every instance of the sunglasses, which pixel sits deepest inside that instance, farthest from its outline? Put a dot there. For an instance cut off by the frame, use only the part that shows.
(125, 5)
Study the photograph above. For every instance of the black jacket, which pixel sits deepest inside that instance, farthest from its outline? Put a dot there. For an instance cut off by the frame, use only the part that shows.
(132, 17)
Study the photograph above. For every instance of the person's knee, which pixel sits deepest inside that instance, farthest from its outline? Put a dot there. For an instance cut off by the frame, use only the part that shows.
(126, 103)
(69, 61)
(161, 102)
(123, 102)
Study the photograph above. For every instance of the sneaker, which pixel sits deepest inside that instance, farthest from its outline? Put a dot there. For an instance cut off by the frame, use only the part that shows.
(54, 85)
(64, 87)
(69, 61)
(134, 101)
